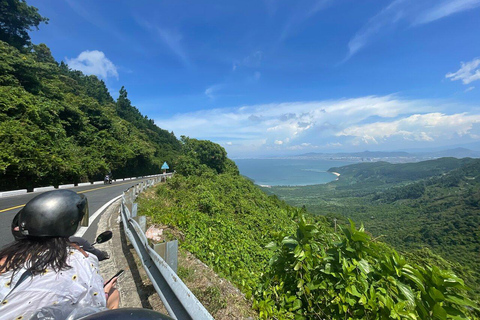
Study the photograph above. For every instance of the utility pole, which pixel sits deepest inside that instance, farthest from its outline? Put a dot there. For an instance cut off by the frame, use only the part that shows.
(335, 221)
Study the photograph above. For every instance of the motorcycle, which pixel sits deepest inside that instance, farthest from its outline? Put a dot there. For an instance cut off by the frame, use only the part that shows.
(107, 180)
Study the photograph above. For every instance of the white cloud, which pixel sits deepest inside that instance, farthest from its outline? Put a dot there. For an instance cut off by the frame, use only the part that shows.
(329, 123)
(93, 62)
(257, 75)
(468, 72)
(411, 13)
(418, 127)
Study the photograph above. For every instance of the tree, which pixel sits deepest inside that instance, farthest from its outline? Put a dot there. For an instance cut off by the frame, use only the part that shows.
(16, 19)
(198, 153)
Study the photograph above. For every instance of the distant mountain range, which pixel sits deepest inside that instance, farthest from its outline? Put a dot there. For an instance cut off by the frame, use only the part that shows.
(391, 156)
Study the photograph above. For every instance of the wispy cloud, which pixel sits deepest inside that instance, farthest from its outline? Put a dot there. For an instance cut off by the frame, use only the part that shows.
(326, 124)
(411, 13)
(96, 19)
(212, 90)
(468, 72)
(93, 62)
(301, 14)
(469, 89)
(446, 8)
(253, 60)
(171, 38)
(382, 22)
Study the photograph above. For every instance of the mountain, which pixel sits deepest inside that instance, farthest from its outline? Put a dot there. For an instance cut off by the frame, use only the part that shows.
(60, 126)
(457, 153)
(390, 156)
(431, 204)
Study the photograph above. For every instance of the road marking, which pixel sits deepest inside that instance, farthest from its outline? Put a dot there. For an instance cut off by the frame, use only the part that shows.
(118, 184)
(23, 205)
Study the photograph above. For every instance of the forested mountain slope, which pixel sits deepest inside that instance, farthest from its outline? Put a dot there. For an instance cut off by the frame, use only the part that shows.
(293, 265)
(60, 126)
(433, 204)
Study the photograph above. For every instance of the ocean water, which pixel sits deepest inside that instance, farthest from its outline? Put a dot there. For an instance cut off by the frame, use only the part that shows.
(292, 172)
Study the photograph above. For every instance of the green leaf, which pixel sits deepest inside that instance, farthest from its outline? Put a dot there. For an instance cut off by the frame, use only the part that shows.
(461, 301)
(290, 242)
(439, 312)
(272, 246)
(407, 293)
(436, 295)
(364, 266)
(297, 305)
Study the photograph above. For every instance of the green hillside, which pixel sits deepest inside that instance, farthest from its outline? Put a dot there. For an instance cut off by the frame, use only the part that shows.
(437, 206)
(60, 126)
(293, 265)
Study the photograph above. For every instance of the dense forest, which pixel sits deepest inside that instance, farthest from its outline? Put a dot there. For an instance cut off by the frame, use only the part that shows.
(291, 264)
(58, 125)
(431, 205)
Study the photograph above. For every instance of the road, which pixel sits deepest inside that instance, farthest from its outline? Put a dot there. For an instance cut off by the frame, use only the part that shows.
(97, 195)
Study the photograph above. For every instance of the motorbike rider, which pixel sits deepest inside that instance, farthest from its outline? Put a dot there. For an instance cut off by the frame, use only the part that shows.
(43, 268)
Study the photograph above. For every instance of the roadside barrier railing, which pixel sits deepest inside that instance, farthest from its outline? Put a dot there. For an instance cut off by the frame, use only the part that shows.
(9, 193)
(179, 301)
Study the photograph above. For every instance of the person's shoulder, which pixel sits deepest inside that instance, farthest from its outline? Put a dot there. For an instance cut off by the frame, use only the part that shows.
(76, 254)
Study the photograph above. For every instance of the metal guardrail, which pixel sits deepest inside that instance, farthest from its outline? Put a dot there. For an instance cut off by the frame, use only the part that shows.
(179, 301)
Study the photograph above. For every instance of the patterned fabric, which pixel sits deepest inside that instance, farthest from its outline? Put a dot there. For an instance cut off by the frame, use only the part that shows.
(81, 285)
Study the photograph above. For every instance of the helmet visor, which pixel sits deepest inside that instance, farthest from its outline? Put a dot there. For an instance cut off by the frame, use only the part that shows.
(85, 212)
(85, 219)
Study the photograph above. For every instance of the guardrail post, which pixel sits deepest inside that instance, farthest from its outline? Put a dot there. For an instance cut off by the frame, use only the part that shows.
(142, 222)
(172, 254)
(134, 210)
(169, 252)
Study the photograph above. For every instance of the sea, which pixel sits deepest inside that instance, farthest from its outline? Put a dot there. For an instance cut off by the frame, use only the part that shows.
(288, 172)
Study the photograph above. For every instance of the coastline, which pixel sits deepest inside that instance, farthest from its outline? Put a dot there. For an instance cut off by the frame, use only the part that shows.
(337, 174)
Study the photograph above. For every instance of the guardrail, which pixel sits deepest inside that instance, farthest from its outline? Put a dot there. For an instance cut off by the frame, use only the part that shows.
(179, 301)
(9, 193)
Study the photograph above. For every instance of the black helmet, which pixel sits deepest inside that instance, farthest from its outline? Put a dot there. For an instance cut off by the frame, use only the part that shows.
(55, 213)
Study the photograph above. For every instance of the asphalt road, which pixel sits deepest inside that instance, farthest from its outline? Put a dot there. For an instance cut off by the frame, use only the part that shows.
(97, 195)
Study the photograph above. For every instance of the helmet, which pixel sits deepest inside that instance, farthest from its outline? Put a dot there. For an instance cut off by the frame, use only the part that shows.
(55, 213)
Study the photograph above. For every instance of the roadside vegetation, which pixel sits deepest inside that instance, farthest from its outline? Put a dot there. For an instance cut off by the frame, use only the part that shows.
(291, 264)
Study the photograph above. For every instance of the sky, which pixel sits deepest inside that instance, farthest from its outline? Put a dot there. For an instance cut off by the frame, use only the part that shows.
(282, 77)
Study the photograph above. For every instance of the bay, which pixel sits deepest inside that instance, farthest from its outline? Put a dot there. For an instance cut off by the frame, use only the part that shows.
(291, 172)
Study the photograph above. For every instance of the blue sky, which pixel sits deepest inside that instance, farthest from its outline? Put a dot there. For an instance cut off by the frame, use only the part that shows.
(276, 77)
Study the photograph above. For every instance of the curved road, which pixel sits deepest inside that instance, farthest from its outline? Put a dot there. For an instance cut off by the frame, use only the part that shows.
(97, 195)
